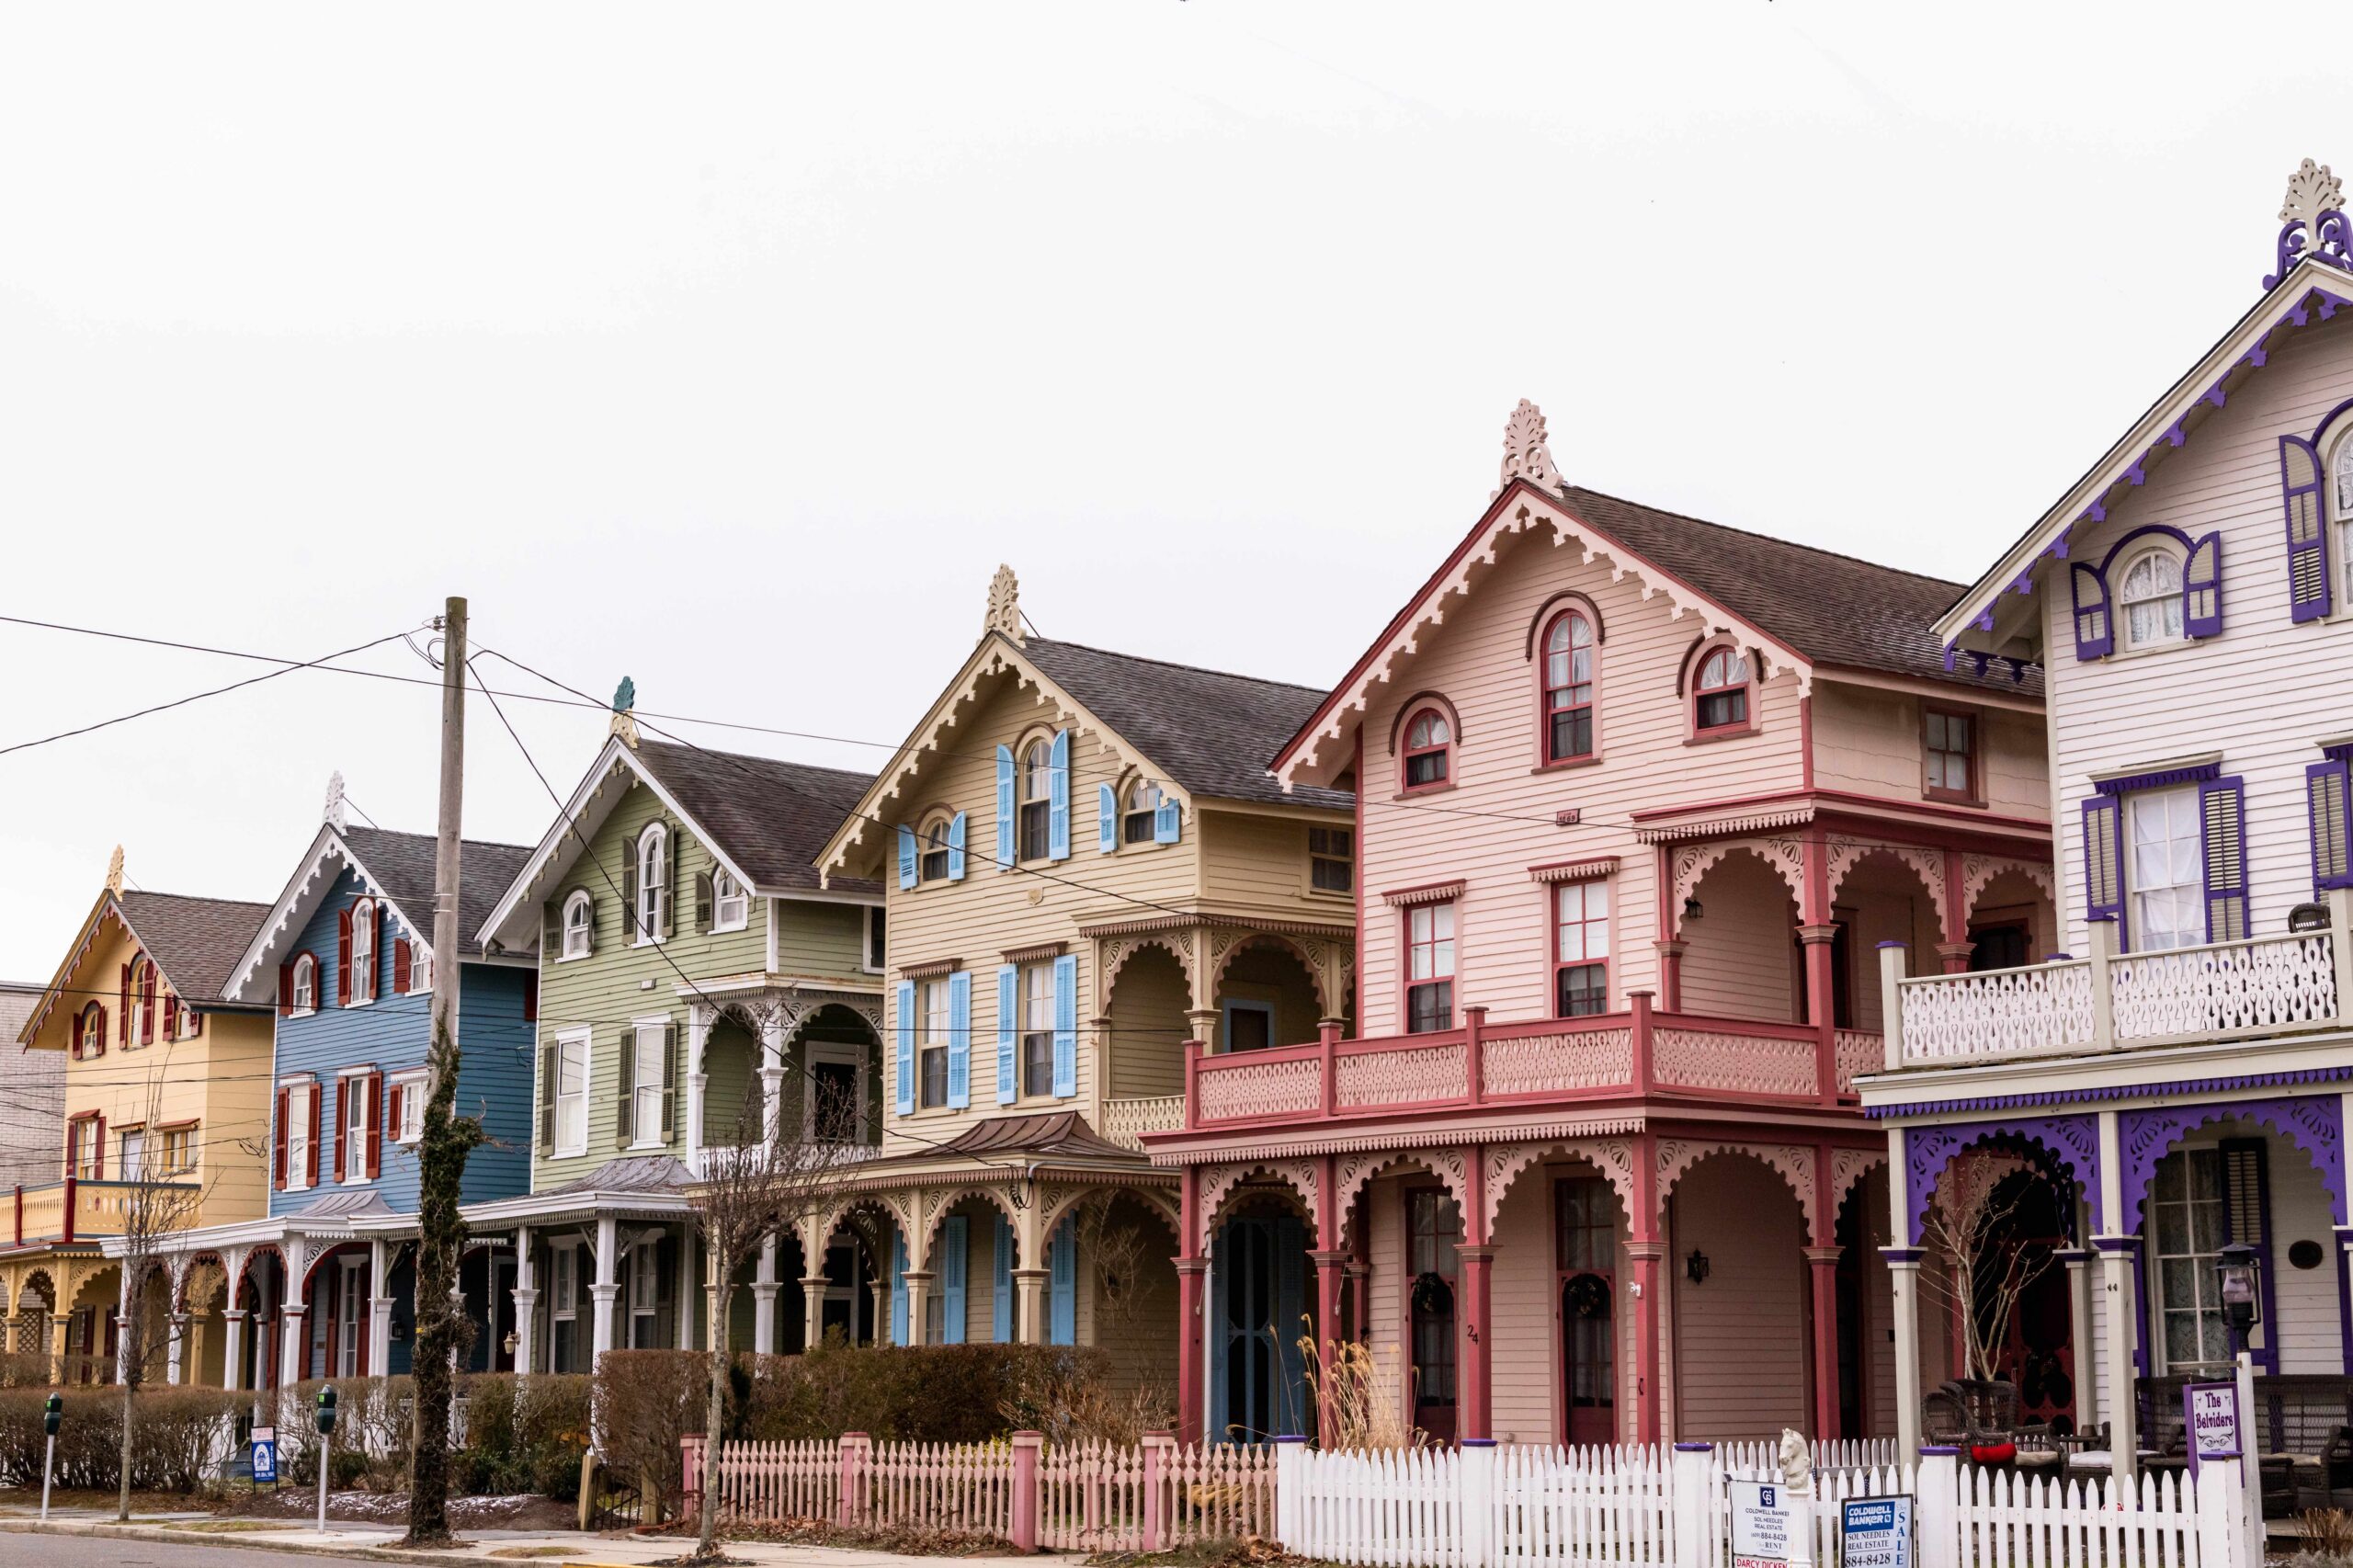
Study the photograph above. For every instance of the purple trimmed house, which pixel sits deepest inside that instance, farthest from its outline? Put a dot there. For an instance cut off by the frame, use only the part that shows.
(2175, 1079)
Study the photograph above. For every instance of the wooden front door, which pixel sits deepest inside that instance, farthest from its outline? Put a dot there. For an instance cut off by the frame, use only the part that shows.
(1258, 1387)
(1433, 1231)
(1586, 1225)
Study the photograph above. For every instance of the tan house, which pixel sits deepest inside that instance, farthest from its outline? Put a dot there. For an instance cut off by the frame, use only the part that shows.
(1086, 864)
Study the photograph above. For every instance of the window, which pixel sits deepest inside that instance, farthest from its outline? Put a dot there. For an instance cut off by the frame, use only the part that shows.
(405, 1100)
(90, 1032)
(572, 1095)
(1949, 742)
(933, 1056)
(653, 883)
(176, 1150)
(139, 1026)
(1428, 740)
(563, 1310)
(1568, 688)
(131, 1163)
(306, 985)
(1429, 968)
(1332, 860)
(1143, 805)
(877, 949)
(645, 1265)
(2342, 491)
(420, 968)
(835, 1112)
(298, 1135)
(1581, 949)
(1433, 1231)
(351, 1100)
(932, 866)
(1249, 1026)
(85, 1148)
(1721, 693)
(1037, 799)
(1038, 1029)
(361, 984)
(2166, 869)
(731, 906)
(2149, 593)
(650, 1074)
(2186, 1225)
(579, 924)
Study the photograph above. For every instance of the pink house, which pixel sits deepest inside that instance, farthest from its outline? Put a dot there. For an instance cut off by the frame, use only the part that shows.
(1637, 796)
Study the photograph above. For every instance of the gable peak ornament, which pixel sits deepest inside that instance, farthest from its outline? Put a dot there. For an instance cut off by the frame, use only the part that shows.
(332, 815)
(114, 871)
(2312, 221)
(624, 722)
(1526, 455)
(1005, 604)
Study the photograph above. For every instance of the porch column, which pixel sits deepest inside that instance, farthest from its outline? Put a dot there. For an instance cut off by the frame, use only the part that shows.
(918, 1285)
(1821, 1267)
(1192, 1277)
(1360, 1301)
(379, 1312)
(698, 1037)
(1670, 975)
(690, 1309)
(59, 1324)
(1821, 1010)
(1903, 1299)
(527, 1304)
(1954, 949)
(764, 1287)
(1645, 1250)
(1030, 1302)
(232, 1348)
(772, 1085)
(123, 1338)
(175, 1350)
(605, 1289)
(813, 1311)
(2079, 1331)
(1954, 956)
(293, 1335)
(1206, 1025)
(1474, 1399)
(2116, 1255)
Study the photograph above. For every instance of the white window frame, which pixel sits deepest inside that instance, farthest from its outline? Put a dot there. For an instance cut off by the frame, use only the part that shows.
(833, 1053)
(652, 891)
(359, 976)
(937, 1029)
(2341, 515)
(351, 1123)
(164, 1136)
(584, 1039)
(2183, 824)
(351, 1303)
(642, 1276)
(2206, 1301)
(867, 962)
(131, 1153)
(579, 904)
(725, 890)
(301, 1159)
(303, 1009)
(645, 1131)
(141, 967)
(411, 1088)
(2127, 640)
(92, 1026)
(420, 967)
(563, 1281)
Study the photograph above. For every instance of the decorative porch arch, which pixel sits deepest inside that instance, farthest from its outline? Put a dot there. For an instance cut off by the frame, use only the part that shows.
(1218, 1182)
(936, 1202)
(2313, 1123)
(1228, 944)
(1783, 854)
(1117, 950)
(1979, 872)
(832, 1219)
(1062, 1202)
(2071, 1143)
(1358, 1171)
(1613, 1157)
(1927, 865)
(1791, 1161)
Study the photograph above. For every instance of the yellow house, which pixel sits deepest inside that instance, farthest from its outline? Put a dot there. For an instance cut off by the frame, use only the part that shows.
(166, 1123)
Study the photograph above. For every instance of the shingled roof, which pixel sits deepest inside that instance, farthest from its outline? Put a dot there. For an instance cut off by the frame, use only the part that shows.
(401, 864)
(770, 817)
(194, 941)
(1213, 732)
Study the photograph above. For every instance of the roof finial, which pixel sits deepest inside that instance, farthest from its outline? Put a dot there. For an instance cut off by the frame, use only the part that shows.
(114, 871)
(1005, 604)
(2311, 218)
(333, 816)
(625, 713)
(1525, 454)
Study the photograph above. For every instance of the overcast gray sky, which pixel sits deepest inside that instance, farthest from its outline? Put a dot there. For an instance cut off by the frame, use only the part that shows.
(732, 348)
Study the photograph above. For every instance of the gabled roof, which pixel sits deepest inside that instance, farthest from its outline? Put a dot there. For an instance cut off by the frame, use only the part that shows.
(764, 820)
(195, 942)
(396, 866)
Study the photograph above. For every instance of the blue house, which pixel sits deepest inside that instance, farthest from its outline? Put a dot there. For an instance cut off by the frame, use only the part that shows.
(326, 1282)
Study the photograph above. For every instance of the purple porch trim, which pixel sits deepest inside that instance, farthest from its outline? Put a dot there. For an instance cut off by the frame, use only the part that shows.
(2313, 1123)
(2072, 1141)
(2116, 1244)
(2199, 773)
(1908, 1255)
(2283, 1080)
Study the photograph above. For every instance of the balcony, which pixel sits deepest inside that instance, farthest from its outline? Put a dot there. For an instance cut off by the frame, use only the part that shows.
(2111, 1001)
(1607, 1056)
(1126, 1122)
(74, 1210)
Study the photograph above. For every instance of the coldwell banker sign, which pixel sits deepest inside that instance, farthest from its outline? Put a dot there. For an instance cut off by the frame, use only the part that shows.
(1768, 1525)
(2211, 1413)
(1876, 1532)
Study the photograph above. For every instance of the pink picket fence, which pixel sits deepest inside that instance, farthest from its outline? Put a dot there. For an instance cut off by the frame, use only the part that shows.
(1096, 1497)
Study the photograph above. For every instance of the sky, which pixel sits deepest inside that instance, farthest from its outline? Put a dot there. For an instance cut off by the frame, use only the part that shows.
(731, 349)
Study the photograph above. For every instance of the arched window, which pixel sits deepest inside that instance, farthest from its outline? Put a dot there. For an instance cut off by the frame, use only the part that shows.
(1429, 748)
(2148, 592)
(138, 1028)
(1720, 695)
(362, 978)
(306, 983)
(1140, 811)
(1036, 802)
(90, 1032)
(579, 924)
(653, 883)
(1568, 687)
(730, 907)
(934, 860)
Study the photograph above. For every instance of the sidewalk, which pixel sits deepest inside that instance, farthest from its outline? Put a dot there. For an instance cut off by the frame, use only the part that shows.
(552, 1549)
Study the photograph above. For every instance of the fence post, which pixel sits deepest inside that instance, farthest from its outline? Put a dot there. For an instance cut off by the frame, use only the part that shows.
(1156, 1446)
(1938, 1517)
(1475, 1501)
(691, 1474)
(1693, 1464)
(2223, 1539)
(855, 1450)
(1291, 1496)
(1025, 1489)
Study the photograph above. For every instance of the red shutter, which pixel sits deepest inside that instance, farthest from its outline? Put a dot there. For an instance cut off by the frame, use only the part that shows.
(310, 1164)
(343, 957)
(342, 1087)
(285, 990)
(98, 1149)
(125, 994)
(375, 1124)
(530, 998)
(147, 1007)
(400, 967)
(393, 1107)
(195, 1024)
(70, 1128)
(171, 1014)
(278, 1158)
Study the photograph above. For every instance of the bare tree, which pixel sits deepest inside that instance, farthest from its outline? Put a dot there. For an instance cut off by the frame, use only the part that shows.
(1118, 1249)
(1988, 1268)
(762, 1182)
(157, 1203)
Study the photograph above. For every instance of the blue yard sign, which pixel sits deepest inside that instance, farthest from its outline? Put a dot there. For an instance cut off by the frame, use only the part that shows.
(1876, 1532)
(265, 1455)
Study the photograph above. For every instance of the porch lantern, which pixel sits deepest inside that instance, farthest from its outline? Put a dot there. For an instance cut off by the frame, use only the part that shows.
(2239, 1266)
(1694, 1268)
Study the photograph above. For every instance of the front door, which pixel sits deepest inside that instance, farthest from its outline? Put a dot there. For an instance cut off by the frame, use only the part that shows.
(350, 1314)
(1586, 1217)
(1259, 1388)
(1433, 1231)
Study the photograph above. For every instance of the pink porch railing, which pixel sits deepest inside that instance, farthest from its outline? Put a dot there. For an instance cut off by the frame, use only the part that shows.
(1612, 1054)
(1079, 1497)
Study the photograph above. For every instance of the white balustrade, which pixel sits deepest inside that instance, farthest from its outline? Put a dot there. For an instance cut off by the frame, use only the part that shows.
(2266, 982)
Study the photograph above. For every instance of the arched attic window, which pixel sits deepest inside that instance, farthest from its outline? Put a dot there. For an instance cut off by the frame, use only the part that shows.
(2148, 597)
(579, 924)
(1568, 686)
(1428, 752)
(1720, 699)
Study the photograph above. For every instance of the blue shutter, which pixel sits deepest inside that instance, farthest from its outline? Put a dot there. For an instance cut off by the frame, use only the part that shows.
(1167, 818)
(2221, 814)
(956, 848)
(960, 1040)
(2327, 793)
(898, 1288)
(1001, 1297)
(1061, 1286)
(2201, 587)
(906, 857)
(1058, 799)
(2300, 498)
(2095, 629)
(952, 1262)
(2103, 861)
(906, 1048)
(1008, 1035)
(1106, 819)
(1006, 828)
(1066, 1026)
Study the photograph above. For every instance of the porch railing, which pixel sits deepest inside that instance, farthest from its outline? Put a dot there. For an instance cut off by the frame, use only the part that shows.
(2268, 984)
(1609, 1055)
(1125, 1122)
(76, 1209)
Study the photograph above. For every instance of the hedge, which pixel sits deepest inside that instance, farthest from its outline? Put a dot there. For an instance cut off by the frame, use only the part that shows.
(174, 1433)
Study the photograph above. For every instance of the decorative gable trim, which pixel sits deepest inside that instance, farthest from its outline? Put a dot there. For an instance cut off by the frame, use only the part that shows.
(253, 978)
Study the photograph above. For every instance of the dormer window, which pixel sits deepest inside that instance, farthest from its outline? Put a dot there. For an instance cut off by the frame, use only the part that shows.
(1568, 687)
(1719, 697)
(2148, 595)
(652, 884)
(306, 985)
(1142, 808)
(579, 924)
(1429, 746)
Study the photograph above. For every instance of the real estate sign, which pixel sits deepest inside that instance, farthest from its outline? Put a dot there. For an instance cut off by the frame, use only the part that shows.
(1769, 1528)
(1875, 1532)
(265, 1456)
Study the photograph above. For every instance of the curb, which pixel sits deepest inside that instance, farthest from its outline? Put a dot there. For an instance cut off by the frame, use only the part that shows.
(255, 1539)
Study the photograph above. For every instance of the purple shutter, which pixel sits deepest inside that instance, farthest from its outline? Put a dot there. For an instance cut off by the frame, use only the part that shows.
(2325, 798)
(2221, 814)
(2103, 860)
(2095, 633)
(2299, 497)
(2201, 587)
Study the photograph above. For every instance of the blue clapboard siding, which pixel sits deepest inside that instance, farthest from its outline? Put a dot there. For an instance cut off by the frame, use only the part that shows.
(392, 1033)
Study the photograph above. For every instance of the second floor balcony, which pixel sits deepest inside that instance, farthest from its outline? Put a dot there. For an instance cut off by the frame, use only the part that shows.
(76, 1209)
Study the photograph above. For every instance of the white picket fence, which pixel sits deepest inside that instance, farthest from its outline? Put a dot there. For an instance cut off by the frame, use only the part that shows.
(1639, 1507)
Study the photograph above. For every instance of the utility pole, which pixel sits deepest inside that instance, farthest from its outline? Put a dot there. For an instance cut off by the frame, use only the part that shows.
(441, 1233)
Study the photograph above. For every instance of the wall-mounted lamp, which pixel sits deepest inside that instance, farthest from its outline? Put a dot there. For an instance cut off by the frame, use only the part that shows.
(511, 1341)
(1694, 1268)
(1691, 910)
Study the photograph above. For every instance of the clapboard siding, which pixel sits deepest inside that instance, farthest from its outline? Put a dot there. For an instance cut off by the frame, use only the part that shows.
(1521, 1314)
(1868, 740)
(1740, 1339)
(1263, 861)
(1743, 958)
(2260, 692)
